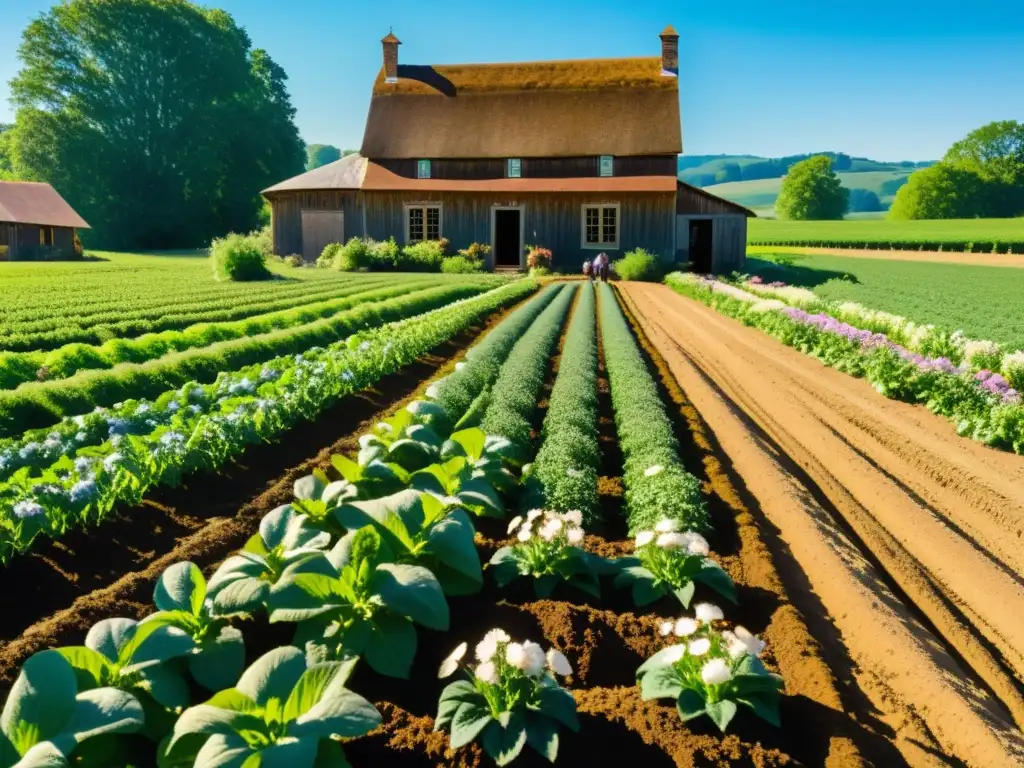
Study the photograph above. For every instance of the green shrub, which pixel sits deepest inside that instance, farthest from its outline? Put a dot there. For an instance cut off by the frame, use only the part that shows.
(239, 258)
(424, 256)
(638, 264)
(264, 240)
(354, 255)
(328, 258)
(454, 265)
(294, 260)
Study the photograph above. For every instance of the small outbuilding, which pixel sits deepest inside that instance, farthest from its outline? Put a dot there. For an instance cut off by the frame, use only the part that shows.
(575, 156)
(36, 222)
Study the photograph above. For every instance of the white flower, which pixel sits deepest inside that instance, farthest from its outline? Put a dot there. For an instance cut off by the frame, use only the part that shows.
(666, 627)
(653, 470)
(574, 536)
(644, 538)
(706, 612)
(533, 514)
(524, 534)
(365, 440)
(686, 626)
(666, 525)
(111, 461)
(695, 544)
(459, 366)
(515, 655)
(364, 346)
(558, 664)
(574, 516)
(432, 391)
(487, 647)
(449, 665)
(699, 647)
(488, 673)
(675, 653)
(516, 522)
(383, 426)
(26, 508)
(751, 642)
(715, 672)
(671, 540)
(534, 659)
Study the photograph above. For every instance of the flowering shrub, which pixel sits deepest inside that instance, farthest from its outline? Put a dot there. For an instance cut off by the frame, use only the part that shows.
(710, 671)
(1013, 369)
(548, 548)
(510, 699)
(538, 257)
(668, 561)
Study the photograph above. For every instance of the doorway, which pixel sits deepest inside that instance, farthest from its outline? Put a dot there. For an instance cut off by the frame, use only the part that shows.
(701, 245)
(508, 237)
(320, 229)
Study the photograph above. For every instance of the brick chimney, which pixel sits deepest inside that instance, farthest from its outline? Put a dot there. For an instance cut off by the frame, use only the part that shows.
(669, 52)
(391, 44)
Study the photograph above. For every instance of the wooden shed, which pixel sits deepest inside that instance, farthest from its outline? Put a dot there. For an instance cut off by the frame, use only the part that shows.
(36, 222)
(711, 233)
(575, 156)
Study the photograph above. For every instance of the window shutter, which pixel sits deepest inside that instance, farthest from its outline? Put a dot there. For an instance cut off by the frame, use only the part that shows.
(423, 169)
(515, 168)
(606, 165)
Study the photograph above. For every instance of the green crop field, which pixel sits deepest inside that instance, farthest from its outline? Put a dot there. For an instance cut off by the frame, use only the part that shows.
(984, 302)
(978, 235)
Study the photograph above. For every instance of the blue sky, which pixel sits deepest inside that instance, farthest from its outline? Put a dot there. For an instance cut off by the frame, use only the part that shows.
(886, 79)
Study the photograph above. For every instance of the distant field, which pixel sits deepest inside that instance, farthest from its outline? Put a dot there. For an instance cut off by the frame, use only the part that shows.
(984, 302)
(762, 193)
(946, 234)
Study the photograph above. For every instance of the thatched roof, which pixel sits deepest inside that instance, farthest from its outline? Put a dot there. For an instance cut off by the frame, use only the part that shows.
(380, 178)
(30, 202)
(346, 173)
(536, 109)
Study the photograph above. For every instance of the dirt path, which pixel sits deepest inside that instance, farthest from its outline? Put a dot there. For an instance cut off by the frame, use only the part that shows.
(904, 530)
(936, 257)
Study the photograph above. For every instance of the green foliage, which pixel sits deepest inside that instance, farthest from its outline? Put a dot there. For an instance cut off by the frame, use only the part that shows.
(320, 154)
(943, 191)
(811, 190)
(657, 485)
(425, 256)
(239, 258)
(638, 264)
(328, 258)
(456, 265)
(865, 201)
(225, 129)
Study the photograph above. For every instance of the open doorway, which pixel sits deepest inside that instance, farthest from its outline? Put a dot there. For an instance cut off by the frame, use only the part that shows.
(700, 245)
(507, 239)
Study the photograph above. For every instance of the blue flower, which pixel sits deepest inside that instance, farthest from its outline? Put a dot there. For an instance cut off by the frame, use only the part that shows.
(83, 465)
(28, 450)
(26, 509)
(117, 426)
(83, 490)
(173, 406)
(110, 463)
(169, 439)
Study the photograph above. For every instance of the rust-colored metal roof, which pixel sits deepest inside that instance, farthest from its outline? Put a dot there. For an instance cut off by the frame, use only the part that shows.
(346, 173)
(30, 202)
(379, 178)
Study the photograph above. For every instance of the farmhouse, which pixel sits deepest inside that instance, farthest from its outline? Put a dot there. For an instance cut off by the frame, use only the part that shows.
(36, 222)
(575, 156)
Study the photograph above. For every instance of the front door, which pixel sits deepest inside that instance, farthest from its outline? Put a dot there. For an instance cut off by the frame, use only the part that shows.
(508, 250)
(701, 245)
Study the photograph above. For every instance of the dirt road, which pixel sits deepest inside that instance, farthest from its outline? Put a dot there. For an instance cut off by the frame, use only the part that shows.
(910, 535)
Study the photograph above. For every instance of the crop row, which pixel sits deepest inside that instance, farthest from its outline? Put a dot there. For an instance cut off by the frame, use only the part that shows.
(20, 367)
(910, 243)
(204, 427)
(564, 474)
(656, 482)
(40, 404)
(981, 404)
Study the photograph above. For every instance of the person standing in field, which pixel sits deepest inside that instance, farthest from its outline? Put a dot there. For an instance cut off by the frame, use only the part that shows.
(587, 272)
(600, 267)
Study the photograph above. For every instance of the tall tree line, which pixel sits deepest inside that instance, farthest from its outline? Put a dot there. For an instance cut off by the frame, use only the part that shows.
(156, 119)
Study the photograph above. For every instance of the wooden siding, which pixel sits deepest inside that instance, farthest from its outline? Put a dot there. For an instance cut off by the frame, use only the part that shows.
(534, 167)
(22, 242)
(286, 216)
(690, 202)
(553, 221)
(728, 241)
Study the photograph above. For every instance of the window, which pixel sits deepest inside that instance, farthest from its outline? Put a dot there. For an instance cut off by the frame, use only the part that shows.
(605, 166)
(601, 226)
(515, 168)
(46, 235)
(422, 169)
(423, 222)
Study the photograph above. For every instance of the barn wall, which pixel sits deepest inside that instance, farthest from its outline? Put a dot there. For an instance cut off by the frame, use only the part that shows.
(552, 220)
(22, 241)
(694, 202)
(729, 241)
(286, 216)
(534, 167)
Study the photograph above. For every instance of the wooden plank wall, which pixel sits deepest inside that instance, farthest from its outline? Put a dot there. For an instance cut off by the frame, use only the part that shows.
(286, 216)
(690, 202)
(728, 241)
(535, 167)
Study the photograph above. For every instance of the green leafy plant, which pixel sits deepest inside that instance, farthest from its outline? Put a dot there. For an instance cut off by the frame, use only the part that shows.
(711, 672)
(454, 265)
(357, 601)
(638, 264)
(239, 258)
(282, 712)
(549, 550)
(511, 698)
(669, 562)
(46, 720)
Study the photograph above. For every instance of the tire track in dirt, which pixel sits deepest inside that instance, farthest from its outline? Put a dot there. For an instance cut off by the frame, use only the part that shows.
(742, 382)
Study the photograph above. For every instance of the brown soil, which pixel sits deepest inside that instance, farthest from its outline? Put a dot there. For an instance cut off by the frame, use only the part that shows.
(908, 535)
(936, 257)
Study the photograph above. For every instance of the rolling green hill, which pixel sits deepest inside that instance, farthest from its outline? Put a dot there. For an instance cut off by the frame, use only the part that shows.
(761, 193)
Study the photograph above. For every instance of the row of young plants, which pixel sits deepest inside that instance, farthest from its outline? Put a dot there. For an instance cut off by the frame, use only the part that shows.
(982, 405)
(19, 367)
(133, 315)
(909, 243)
(39, 405)
(205, 426)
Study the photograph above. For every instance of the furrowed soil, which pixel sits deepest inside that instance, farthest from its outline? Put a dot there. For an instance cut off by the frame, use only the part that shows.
(907, 536)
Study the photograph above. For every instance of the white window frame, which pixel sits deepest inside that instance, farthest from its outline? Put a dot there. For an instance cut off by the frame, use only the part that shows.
(601, 161)
(601, 246)
(517, 163)
(421, 166)
(424, 206)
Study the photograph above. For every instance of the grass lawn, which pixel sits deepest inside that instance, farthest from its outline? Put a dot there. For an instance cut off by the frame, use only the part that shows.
(984, 302)
(956, 233)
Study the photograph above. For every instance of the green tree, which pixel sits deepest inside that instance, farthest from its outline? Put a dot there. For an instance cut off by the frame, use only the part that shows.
(811, 190)
(320, 154)
(995, 152)
(6, 163)
(943, 191)
(864, 201)
(155, 119)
